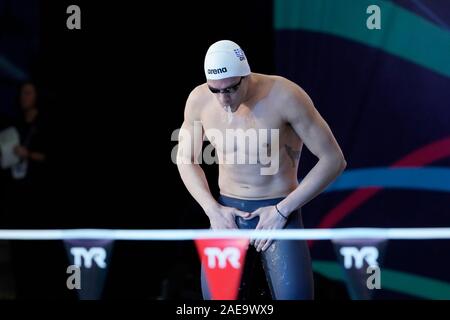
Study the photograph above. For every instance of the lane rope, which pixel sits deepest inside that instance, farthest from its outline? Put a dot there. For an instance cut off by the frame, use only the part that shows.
(191, 234)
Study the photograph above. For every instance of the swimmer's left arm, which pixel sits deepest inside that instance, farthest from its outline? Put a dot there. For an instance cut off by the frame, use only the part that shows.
(300, 113)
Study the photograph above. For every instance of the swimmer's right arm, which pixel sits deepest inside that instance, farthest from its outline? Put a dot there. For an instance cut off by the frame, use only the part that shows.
(193, 176)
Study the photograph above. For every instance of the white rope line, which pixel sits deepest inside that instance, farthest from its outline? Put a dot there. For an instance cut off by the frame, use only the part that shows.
(191, 234)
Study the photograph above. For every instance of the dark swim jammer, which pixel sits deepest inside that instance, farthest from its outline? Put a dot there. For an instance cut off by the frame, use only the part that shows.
(286, 263)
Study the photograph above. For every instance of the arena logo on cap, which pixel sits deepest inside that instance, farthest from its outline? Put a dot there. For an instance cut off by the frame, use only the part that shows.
(217, 71)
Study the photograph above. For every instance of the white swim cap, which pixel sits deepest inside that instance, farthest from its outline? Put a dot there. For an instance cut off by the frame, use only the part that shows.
(225, 59)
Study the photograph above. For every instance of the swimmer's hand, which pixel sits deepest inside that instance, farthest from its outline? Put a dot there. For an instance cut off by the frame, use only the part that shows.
(269, 219)
(222, 217)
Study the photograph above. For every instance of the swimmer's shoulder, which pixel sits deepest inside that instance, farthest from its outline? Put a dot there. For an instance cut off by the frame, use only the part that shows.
(291, 100)
(197, 101)
(287, 91)
(282, 85)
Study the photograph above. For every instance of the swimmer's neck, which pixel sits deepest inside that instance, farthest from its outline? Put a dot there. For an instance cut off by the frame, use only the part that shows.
(250, 92)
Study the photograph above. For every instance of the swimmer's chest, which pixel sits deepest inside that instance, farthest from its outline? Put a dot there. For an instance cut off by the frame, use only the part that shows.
(246, 130)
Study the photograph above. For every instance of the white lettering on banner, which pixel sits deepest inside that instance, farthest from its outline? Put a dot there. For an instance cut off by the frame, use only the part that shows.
(370, 254)
(231, 254)
(98, 254)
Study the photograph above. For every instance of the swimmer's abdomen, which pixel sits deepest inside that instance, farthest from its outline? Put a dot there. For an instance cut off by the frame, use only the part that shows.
(246, 181)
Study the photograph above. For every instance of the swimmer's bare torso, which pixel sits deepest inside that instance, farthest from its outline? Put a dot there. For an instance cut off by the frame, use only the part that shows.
(264, 111)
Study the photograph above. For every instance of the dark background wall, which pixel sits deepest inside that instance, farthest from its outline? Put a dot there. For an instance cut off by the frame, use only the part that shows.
(114, 93)
(122, 82)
